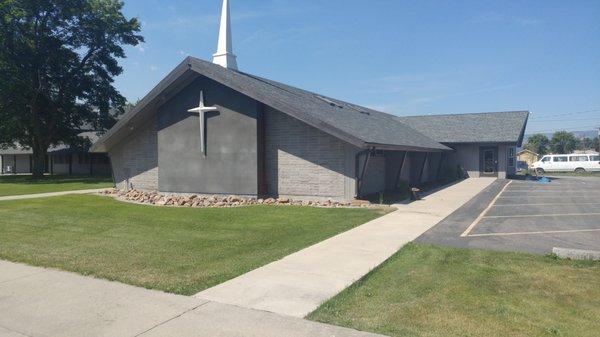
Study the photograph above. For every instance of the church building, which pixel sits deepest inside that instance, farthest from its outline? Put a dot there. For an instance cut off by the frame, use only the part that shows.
(209, 128)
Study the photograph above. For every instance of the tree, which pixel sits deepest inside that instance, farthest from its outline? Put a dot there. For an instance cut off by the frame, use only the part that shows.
(563, 142)
(58, 59)
(538, 143)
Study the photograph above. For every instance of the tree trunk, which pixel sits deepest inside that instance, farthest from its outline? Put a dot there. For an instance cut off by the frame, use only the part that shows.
(39, 162)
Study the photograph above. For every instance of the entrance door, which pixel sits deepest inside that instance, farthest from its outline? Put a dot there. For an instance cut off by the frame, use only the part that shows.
(489, 161)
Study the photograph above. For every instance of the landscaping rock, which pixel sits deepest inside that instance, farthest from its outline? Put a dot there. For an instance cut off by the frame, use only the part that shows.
(199, 201)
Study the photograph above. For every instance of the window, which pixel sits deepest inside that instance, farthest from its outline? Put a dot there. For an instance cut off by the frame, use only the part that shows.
(546, 159)
(578, 158)
(595, 158)
(561, 159)
(511, 157)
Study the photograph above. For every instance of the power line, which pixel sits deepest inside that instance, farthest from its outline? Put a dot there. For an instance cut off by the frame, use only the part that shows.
(581, 127)
(570, 113)
(566, 120)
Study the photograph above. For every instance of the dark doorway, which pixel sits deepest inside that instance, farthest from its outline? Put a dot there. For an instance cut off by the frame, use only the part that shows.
(488, 162)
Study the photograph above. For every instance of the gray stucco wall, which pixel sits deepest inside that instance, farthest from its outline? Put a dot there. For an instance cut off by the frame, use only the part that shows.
(393, 160)
(467, 156)
(416, 164)
(304, 162)
(231, 161)
(134, 161)
(375, 176)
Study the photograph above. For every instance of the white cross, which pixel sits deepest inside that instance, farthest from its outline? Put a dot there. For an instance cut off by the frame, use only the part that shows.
(201, 110)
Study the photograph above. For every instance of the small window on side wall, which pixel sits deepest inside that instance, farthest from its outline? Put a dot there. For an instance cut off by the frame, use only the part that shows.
(511, 157)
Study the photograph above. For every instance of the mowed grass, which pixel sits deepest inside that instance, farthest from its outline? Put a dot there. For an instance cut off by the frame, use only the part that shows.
(178, 250)
(435, 291)
(20, 185)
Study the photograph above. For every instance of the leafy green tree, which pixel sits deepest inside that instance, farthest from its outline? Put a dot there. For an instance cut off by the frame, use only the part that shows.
(538, 143)
(58, 59)
(563, 142)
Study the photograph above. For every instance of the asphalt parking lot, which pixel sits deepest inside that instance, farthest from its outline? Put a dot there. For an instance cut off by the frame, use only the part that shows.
(526, 216)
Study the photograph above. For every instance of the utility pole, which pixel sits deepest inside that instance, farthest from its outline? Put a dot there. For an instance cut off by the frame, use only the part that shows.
(598, 139)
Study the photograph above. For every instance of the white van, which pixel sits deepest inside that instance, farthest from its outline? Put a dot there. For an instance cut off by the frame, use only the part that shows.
(567, 163)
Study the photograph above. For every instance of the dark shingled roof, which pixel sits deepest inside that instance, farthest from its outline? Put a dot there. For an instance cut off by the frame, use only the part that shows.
(360, 126)
(357, 125)
(489, 127)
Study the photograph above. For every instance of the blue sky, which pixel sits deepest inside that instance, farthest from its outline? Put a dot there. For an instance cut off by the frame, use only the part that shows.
(401, 57)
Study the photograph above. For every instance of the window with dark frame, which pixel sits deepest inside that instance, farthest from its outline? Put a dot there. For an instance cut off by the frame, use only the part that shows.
(511, 157)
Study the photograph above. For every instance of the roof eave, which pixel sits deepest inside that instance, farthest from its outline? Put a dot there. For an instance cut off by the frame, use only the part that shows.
(101, 145)
(406, 148)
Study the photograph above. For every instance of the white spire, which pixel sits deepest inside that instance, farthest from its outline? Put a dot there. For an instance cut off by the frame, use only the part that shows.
(224, 56)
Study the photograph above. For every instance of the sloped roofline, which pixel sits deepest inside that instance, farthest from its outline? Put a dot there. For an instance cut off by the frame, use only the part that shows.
(471, 113)
(188, 70)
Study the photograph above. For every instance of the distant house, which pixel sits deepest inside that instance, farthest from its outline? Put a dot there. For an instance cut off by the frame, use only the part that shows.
(528, 156)
(208, 128)
(59, 160)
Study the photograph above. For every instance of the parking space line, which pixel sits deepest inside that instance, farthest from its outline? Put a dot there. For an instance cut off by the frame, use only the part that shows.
(533, 233)
(559, 204)
(547, 197)
(470, 228)
(537, 215)
(536, 193)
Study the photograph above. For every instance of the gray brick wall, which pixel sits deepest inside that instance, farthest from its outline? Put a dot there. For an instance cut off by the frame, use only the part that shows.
(302, 161)
(135, 160)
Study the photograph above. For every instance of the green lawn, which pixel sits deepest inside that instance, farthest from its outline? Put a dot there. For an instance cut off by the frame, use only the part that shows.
(434, 291)
(19, 185)
(179, 250)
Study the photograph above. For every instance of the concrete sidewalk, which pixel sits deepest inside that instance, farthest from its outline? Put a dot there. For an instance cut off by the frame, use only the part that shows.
(297, 284)
(51, 194)
(45, 302)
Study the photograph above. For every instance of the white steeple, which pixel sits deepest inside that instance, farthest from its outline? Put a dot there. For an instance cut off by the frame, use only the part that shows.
(224, 56)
